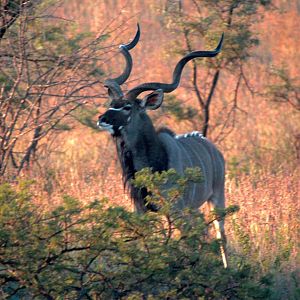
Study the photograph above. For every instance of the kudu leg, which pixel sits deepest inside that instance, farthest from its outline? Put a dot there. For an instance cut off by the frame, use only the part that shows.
(220, 232)
(219, 227)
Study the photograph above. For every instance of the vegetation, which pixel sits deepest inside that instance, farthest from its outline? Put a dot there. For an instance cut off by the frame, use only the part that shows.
(44, 78)
(207, 20)
(80, 251)
(57, 242)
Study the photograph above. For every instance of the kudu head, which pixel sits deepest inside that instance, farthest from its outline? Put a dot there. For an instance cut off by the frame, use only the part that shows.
(128, 110)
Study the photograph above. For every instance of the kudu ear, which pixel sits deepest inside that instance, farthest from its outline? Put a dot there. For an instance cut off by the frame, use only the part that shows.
(153, 100)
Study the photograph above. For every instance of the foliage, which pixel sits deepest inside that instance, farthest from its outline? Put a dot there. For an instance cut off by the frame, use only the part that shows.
(165, 185)
(85, 116)
(86, 251)
(175, 107)
(285, 89)
(208, 19)
(47, 71)
(205, 21)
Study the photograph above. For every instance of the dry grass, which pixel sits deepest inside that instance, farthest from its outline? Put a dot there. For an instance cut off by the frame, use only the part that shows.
(266, 229)
(269, 214)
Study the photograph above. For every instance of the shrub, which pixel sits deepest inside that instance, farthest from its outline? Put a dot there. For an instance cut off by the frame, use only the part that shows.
(80, 251)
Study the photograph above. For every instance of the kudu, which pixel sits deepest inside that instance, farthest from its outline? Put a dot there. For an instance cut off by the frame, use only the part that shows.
(139, 145)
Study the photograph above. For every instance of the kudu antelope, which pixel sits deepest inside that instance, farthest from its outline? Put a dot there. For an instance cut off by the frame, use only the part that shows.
(139, 145)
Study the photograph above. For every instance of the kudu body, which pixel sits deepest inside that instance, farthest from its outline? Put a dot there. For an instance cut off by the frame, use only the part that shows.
(139, 145)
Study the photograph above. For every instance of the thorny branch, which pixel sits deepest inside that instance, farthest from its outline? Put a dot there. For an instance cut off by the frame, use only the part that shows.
(40, 85)
(9, 13)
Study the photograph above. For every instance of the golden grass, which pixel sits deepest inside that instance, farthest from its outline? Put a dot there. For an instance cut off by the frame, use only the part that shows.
(267, 225)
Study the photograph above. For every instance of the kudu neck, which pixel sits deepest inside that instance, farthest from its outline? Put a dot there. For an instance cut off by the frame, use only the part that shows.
(144, 145)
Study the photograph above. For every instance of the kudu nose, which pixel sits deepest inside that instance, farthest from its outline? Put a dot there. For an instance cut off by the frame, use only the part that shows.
(102, 119)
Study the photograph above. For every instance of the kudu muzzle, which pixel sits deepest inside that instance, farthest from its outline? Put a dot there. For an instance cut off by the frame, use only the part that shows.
(115, 119)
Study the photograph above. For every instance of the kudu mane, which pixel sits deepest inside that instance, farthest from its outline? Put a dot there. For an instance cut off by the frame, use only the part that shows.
(126, 159)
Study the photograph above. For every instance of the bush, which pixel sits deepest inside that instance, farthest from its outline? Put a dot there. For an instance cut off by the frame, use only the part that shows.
(78, 251)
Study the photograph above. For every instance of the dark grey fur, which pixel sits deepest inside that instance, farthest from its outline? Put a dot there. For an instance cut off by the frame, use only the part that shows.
(140, 146)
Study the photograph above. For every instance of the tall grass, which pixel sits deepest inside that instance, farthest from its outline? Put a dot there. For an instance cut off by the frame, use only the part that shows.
(266, 229)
